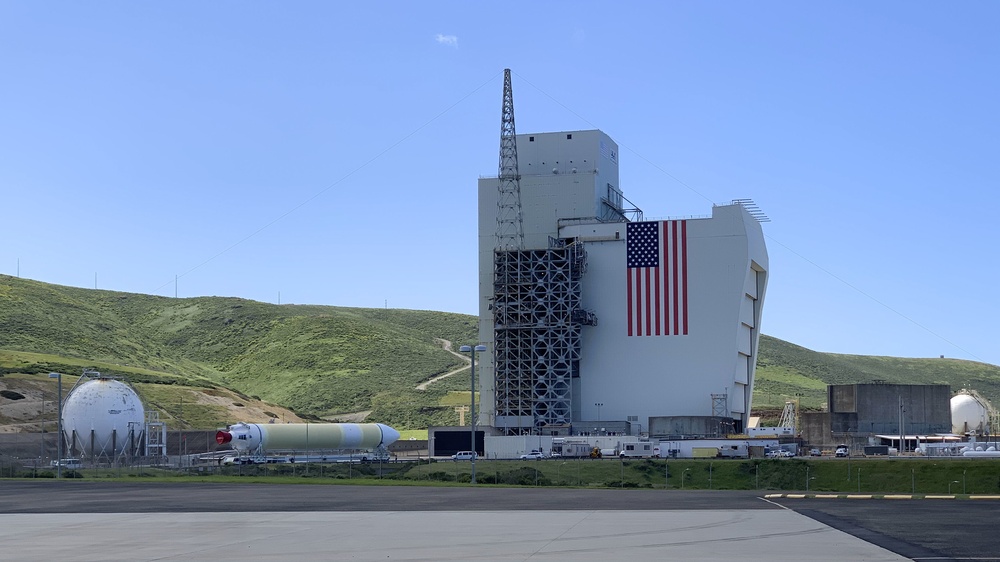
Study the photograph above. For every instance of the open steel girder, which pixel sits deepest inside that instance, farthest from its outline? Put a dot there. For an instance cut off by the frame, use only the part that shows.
(537, 329)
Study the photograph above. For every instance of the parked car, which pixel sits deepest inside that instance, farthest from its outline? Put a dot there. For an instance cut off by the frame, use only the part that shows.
(842, 451)
(815, 453)
(463, 456)
(534, 455)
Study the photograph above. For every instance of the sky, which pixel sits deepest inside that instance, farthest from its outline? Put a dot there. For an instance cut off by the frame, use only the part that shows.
(328, 153)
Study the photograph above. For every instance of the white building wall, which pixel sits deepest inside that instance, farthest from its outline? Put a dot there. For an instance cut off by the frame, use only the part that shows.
(673, 375)
(546, 197)
(639, 376)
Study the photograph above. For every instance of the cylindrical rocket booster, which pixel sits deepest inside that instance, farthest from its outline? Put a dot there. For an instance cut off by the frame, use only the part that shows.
(307, 436)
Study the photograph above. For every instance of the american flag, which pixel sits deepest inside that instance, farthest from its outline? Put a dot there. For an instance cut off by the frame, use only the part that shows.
(657, 278)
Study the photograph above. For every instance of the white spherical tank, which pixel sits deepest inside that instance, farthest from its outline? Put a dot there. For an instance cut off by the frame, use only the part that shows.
(102, 417)
(967, 414)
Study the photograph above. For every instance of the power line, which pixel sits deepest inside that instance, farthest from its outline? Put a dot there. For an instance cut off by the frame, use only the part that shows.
(800, 256)
(643, 158)
(875, 300)
(331, 186)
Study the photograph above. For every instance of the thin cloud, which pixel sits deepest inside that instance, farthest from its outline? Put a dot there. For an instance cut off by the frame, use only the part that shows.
(449, 40)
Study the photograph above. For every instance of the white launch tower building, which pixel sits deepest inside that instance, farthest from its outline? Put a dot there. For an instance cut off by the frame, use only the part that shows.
(598, 317)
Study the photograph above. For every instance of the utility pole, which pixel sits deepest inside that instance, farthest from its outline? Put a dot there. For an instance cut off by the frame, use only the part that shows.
(902, 433)
(59, 449)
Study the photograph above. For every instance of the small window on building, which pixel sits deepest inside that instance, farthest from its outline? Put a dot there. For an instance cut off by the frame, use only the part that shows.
(569, 137)
(531, 139)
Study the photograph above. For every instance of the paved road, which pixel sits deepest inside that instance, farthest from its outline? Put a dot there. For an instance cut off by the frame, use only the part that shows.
(50, 496)
(703, 525)
(917, 529)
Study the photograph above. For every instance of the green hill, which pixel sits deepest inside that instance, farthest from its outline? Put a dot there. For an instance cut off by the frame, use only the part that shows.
(785, 370)
(318, 360)
(325, 361)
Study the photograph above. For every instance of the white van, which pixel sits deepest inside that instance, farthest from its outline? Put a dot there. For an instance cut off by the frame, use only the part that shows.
(463, 456)
(67, 463)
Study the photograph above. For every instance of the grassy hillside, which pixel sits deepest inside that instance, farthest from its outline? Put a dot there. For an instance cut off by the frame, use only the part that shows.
(318, 360)
(785, 370)
(211, 360)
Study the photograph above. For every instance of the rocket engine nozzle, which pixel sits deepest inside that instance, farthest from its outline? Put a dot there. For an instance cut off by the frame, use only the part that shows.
(223, 437)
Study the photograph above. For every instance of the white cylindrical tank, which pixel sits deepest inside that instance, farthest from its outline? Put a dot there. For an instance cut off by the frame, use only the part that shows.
(967, 414)
(102, 417)
(307, 436)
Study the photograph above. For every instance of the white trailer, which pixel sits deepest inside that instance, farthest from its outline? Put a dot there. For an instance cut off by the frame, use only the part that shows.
(571, 448)
(734, 451)
(635, 449)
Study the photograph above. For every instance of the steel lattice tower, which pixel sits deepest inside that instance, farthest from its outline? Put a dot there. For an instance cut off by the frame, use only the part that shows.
(513, 391)
(510, 234)
(537, 316)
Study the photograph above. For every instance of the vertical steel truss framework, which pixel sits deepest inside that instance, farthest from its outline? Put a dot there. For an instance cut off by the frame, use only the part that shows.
(538, 322)
(510, 232)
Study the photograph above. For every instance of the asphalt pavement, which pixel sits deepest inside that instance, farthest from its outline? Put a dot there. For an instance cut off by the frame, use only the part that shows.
(920, 529)
(92, 520)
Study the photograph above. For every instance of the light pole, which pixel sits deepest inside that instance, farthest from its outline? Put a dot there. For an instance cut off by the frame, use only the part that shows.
(849, 465)
(598, 404)
(472, 407)
(59, 432)
(950, 483)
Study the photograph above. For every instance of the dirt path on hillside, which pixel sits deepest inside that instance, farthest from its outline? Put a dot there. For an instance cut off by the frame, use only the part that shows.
(446, 345)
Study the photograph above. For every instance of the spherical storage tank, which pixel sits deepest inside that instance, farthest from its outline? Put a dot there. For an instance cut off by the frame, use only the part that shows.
(967, 414)
(101, 417)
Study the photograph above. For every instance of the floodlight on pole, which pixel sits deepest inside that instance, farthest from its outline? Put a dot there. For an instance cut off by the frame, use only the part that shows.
(472, 406)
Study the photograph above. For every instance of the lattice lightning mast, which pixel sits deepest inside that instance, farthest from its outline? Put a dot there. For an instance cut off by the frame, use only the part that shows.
(510, 234)
(537, 313)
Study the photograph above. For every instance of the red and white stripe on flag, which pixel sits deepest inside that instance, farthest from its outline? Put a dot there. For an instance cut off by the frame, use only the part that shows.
(657, 278)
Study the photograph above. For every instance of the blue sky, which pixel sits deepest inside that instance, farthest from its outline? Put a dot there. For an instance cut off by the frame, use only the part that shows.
(329, 153)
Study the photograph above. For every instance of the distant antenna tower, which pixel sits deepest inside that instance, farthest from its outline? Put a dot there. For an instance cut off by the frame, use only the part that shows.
(510, 234)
